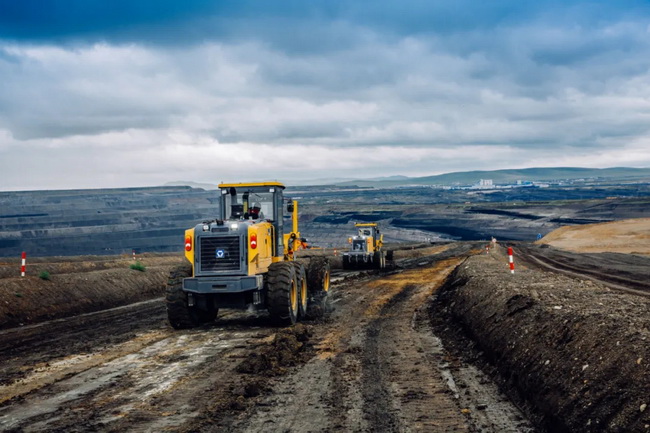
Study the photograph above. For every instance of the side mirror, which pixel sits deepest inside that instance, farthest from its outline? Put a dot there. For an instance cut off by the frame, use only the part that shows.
(290, 206)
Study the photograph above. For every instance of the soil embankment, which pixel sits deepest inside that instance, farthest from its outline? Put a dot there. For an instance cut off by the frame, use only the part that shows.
(77, 285)
(571, 351)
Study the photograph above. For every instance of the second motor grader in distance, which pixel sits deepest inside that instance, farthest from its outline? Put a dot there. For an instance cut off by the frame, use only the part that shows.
(365, 248)
(245, 259)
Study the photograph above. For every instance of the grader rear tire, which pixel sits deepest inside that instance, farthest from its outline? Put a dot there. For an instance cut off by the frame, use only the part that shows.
(180, 315)
(283, 293)
(318, 286)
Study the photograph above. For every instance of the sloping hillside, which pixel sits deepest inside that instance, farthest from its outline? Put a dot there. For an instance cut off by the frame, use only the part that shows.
(631, 236)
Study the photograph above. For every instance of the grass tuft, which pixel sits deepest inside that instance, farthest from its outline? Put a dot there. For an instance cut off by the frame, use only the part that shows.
(138, 267)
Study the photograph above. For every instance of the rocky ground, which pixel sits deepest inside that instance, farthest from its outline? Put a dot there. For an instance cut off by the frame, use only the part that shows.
(446, 340)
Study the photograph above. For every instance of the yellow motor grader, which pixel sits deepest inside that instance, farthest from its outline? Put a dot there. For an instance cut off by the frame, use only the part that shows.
(245, 259)
(365, 248)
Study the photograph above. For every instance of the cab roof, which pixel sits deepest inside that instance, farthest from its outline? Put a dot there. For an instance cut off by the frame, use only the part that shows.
(251, 184)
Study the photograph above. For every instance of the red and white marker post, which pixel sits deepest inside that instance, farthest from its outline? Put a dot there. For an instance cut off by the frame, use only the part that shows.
(133, 255)
(487, 249)
(512, 262)
(23, 265)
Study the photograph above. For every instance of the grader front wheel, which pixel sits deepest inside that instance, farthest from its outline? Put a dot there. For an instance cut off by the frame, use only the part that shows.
(283, 296)
(180, 315)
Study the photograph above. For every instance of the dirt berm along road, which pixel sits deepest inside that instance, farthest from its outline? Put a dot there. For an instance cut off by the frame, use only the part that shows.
(423, 347)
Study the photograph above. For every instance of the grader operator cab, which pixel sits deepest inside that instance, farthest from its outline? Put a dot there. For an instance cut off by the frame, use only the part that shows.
(365, 248)
(244, 259)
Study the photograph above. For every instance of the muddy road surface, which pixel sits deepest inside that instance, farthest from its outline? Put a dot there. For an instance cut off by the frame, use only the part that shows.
(373, 364)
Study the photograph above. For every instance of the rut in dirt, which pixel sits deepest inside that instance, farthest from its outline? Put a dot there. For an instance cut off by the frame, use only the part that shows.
(378, 403)
(402, 384)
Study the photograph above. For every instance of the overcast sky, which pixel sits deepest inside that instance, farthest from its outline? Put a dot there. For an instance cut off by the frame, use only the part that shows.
(141, 92)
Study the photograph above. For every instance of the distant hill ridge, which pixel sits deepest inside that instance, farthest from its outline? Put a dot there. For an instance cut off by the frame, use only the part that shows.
(510, 176)
(540, 174)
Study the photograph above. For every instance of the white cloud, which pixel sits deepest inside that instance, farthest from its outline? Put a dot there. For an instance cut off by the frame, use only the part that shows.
(133, 114)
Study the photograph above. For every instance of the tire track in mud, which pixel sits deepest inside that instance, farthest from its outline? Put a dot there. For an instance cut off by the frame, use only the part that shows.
(151, 380)
(128, 390)
(376, 368)
(402, 389)
(64, 341)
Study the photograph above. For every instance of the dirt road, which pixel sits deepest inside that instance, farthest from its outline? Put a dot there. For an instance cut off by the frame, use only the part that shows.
(625, 272)
(372, 365)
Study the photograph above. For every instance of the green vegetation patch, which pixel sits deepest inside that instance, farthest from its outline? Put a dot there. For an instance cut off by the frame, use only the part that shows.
(138, 266)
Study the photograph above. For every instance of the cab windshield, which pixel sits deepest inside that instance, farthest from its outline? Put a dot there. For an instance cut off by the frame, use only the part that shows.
(358, 245)
(247, 204)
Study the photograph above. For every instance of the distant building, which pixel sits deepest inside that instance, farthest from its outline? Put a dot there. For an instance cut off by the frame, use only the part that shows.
(485, 182)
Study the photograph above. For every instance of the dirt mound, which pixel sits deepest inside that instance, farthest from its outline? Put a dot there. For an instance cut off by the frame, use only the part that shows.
(574, 353)
(287, 349)
(630, 236)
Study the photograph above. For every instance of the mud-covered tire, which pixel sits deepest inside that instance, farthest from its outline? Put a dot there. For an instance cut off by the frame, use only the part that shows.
(389, 255)
(376, 260)
(382, 261)
(283, 293)
(180, 315)
(303, 296)
(346, 262)
(318, 286)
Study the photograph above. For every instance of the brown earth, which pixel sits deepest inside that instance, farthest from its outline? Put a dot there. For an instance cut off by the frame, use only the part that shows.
(372, 365)
(396, 353)
(630, 236)
(76, 285)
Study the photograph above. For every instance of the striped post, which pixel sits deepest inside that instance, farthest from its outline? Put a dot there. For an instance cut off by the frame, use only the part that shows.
(487, 249)
(133, 255)
(512, 262)
(23, 264)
